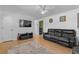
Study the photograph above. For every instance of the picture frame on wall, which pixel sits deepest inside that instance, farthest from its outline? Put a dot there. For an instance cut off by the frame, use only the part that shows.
(25, 23)
(62, 18)
(78, 20)
(50, 20)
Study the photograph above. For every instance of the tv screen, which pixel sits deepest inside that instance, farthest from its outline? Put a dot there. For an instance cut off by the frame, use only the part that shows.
(25, 23)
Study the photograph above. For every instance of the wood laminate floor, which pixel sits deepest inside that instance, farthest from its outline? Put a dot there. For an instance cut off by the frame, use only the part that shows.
(51, 46)
(10, 44)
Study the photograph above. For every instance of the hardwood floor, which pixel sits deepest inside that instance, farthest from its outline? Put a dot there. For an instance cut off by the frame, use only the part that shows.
(51, 46)
(10, 44)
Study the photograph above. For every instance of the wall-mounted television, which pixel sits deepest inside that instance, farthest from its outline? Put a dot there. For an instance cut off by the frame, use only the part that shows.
(25, 23)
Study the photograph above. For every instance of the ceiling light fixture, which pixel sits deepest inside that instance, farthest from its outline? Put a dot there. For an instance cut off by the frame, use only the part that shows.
(43, 9)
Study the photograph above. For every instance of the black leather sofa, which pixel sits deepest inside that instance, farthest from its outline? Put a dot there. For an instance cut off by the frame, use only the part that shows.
(22, 36)
(66, 37)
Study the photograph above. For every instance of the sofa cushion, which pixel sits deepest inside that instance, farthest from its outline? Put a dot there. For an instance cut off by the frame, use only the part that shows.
(47, 35)
(57, 34)
(53, 37)
(63, 39)
(67, 35)
(51, 33)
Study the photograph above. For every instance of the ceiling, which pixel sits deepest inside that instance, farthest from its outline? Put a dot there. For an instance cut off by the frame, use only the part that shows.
(34, 10)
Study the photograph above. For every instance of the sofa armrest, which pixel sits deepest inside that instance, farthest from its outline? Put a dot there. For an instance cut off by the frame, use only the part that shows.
(18, 37)
(45, 33)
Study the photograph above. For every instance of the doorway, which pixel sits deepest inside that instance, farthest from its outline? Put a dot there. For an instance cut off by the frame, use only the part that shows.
(40, 27)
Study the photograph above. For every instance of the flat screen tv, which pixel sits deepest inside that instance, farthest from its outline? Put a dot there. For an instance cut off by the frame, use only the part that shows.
(25, 23)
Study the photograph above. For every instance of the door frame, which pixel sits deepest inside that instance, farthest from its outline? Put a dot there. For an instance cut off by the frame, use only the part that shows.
(41, 22)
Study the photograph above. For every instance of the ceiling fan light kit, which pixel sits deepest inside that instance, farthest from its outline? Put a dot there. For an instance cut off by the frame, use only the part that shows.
(44, 8)
(44, 11)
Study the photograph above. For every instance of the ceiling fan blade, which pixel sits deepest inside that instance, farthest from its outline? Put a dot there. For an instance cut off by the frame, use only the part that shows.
(48, 7)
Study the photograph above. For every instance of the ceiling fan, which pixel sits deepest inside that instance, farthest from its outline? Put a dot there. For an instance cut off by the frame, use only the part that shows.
(45, 8)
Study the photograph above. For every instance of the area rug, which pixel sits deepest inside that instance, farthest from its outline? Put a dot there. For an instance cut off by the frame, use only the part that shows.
(31, 48)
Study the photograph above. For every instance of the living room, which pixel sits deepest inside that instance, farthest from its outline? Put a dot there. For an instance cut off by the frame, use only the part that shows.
(20, 24)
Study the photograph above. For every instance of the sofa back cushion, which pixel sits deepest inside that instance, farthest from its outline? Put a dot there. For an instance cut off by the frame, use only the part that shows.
(51, 31)
(62, 32)
(58, 34)
(69, 33)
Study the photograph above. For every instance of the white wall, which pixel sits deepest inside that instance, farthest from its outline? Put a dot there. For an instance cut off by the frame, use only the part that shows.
(71, 21)
(9, 25)
(36, 27)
